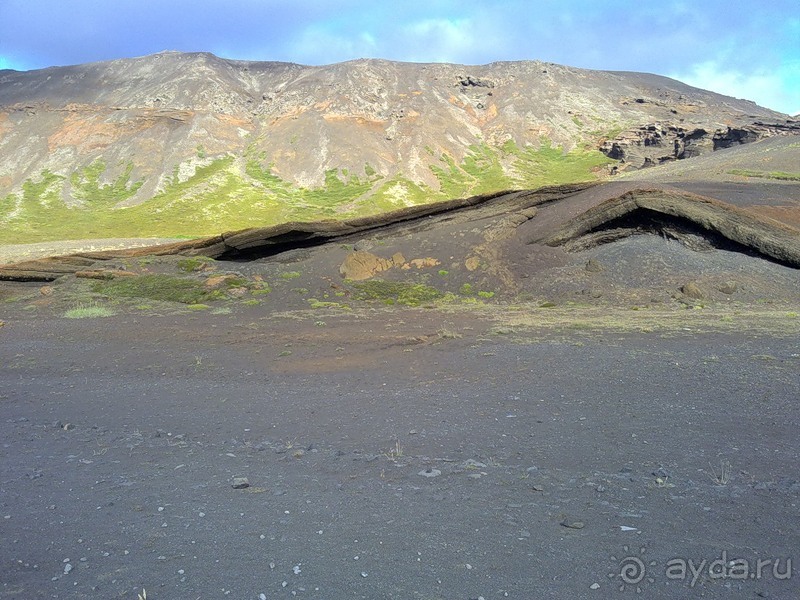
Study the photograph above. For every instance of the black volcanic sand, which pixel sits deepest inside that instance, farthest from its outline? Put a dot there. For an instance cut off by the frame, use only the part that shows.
(405, 453)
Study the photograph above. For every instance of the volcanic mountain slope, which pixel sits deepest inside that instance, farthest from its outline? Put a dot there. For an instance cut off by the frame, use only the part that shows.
(191, 144)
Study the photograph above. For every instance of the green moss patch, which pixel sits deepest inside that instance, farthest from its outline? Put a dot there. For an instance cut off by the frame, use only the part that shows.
(89, 311)
(164, 288)
(393, 292)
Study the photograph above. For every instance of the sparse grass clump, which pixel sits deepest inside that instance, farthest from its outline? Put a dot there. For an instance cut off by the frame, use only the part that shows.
(198, 306)
(314, 303)
(89, 311)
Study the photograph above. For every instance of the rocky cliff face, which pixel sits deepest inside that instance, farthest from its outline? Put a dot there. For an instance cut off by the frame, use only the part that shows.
(185, 126)
(657, 143)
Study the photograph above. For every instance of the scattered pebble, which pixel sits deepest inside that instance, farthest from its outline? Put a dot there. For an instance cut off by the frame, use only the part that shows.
(67, 568)
(364, 574)
(572, 523)
(429, 472)
(240, 483)
(594, 586)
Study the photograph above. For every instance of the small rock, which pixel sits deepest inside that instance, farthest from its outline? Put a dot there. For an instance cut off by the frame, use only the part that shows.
(572, 523)
(473, 464)
(472, 263)
(363, 245)
(46, 290)
(237, 292)
(429, 472)
(729, 287)
(68, 427)
(67, 568)
(594, 586)
(593, 266)
(240, 483)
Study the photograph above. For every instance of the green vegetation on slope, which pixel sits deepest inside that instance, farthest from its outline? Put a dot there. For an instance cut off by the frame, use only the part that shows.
(86, 186)
(779, 175)
(222, 196)
(548, 165)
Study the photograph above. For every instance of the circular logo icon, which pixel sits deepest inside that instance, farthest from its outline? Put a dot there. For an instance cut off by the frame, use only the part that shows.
(632, 570)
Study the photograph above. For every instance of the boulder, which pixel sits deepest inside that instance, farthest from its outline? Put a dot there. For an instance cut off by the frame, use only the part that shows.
(694, 291)
(361, 265)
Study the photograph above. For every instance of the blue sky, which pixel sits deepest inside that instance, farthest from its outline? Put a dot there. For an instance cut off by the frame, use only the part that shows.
(747, 49)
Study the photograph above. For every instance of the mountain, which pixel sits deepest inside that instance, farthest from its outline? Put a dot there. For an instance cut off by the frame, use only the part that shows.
(192, 144)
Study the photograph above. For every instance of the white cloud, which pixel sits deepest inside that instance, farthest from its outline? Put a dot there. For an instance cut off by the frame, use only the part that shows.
(438, 40)
(768, 89)
(7, 63)
(317, 45)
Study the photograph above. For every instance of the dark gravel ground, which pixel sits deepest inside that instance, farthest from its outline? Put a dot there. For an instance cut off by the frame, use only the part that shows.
(544, 465)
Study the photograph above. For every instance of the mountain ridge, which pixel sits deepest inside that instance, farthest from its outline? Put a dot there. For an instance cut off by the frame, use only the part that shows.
(172, 133)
